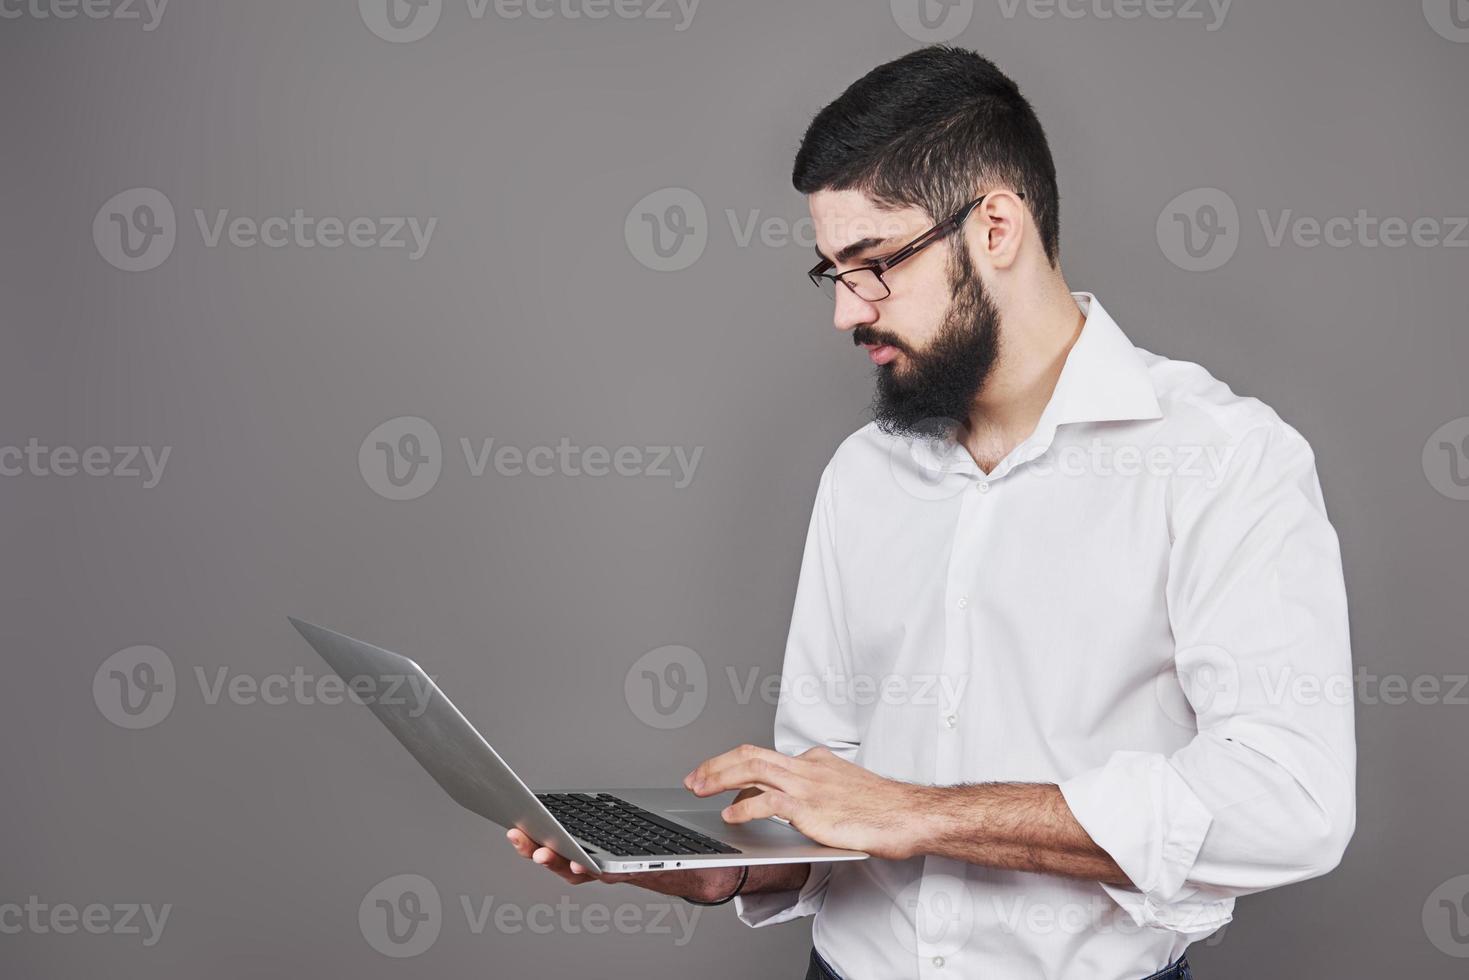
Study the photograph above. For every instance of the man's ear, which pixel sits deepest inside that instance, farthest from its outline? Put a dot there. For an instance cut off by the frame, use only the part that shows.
(997, 229)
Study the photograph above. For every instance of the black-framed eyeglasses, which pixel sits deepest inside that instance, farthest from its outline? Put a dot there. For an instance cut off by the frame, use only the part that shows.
(866, 279)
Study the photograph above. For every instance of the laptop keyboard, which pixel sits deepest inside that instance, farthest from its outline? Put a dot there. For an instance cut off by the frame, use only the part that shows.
(623, 830)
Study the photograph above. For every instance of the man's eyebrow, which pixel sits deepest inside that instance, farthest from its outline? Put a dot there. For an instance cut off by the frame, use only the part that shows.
(851, 251)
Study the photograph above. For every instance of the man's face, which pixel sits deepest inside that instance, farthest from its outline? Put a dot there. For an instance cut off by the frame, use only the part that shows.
(936, 337)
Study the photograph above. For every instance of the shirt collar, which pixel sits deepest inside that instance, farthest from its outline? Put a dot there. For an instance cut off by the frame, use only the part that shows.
(1104, 379)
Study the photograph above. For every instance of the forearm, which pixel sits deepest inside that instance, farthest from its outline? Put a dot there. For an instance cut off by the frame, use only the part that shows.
(1014, 826)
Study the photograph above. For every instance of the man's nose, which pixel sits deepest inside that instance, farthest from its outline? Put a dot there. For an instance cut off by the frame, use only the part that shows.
(852, 310)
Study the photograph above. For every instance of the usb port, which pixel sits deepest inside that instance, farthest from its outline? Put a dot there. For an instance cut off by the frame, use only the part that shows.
(654, 864)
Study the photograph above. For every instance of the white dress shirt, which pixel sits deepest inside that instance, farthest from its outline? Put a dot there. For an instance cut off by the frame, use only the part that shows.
(1143, 603)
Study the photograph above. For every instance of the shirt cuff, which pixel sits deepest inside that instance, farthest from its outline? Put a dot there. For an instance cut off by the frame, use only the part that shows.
(1140, 811)
(1190, 918)
(770, 908)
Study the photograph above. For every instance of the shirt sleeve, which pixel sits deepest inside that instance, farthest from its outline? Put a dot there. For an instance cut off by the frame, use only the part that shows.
(818, 642)
(1264, 793)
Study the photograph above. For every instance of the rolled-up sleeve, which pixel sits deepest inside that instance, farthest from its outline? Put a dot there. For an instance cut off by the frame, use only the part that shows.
(817, 644)
(1263, 795)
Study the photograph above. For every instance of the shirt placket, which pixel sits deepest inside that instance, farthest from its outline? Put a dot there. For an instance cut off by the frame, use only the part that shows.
(945, 917)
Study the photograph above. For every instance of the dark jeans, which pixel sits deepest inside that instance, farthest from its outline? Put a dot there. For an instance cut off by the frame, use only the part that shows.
(821, 970)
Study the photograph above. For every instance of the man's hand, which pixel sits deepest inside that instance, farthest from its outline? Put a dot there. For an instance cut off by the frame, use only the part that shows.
(830, 800)
(708, 885)
(702, 886)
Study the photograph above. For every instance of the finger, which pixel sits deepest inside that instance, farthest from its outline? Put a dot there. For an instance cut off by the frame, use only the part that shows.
(523, 845)
(761, 772)
(726, 759)
(709, 764)
(759, 807)
(746, 759)
(548, 858)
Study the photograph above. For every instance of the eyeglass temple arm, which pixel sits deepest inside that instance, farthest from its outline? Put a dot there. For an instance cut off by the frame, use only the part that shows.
(922, 241)
(941, 230)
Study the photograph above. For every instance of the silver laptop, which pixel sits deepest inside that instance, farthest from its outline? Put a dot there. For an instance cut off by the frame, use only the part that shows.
(607, 830)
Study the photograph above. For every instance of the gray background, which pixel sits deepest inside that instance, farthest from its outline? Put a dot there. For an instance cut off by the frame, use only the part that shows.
(530, 319)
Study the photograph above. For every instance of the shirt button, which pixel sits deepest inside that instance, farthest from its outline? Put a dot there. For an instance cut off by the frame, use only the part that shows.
(982, 487)
(963, 602)
(938, 961)
(951, 720)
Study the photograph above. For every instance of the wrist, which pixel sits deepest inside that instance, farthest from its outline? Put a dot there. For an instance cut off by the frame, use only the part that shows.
(925, 829)
(717, 884)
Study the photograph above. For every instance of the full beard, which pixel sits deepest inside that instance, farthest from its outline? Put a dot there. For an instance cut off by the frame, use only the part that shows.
(934, 395)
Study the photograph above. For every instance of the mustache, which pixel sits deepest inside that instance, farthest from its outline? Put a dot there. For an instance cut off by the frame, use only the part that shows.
(868, 335)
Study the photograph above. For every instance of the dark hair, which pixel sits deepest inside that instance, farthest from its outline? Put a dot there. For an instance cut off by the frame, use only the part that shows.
(933, 129)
